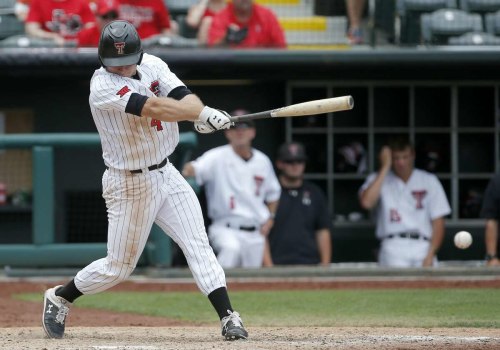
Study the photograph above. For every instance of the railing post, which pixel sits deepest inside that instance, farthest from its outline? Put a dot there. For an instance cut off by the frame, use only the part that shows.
(43, 195)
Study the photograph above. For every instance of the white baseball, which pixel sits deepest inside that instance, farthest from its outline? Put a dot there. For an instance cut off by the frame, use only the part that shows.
(462, 240)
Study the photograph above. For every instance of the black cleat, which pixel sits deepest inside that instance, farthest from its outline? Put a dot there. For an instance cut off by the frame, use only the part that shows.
(55, 310)
(232, 327)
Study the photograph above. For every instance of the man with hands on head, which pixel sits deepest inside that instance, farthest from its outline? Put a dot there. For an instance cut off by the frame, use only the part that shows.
(411, 205)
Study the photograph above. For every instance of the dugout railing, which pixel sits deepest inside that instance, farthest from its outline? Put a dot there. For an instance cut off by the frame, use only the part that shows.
(45, 251)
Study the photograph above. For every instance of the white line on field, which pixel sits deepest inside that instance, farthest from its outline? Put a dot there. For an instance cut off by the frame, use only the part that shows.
(124, 347)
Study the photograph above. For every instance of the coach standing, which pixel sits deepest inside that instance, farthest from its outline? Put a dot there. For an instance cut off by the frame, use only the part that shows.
(242, 196)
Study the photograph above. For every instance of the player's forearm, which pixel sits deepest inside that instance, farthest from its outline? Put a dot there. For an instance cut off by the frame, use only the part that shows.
(437, 235)
(170, 110)
(272, 206)
(324, 241)
(35, 30)
(195, 14)
(371, 195)
(491, 237)
(267, 260)
(188, 170)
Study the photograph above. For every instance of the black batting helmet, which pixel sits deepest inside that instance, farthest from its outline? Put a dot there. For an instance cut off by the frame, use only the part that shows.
(119, 45)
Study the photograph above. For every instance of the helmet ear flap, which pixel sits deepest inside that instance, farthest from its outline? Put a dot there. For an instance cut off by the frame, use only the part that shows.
(140, 58)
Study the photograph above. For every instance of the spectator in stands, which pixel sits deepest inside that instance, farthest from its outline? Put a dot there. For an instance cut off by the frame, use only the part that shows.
(355, 10)
(199, 17)
(411, 205)
(150, 17)
(491, 212)
(59, 21)
(21, 9)
(242, 194)
(105, 12)
(244, 24)
(301, 234)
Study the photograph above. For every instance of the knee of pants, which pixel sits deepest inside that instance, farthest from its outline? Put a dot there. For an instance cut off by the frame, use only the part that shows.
(120, 270)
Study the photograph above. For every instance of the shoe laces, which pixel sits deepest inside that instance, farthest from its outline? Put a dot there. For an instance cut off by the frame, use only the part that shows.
(234, 317)
(62, 312)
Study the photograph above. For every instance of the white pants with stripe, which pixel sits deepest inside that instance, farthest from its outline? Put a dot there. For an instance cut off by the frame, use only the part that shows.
(134, 202)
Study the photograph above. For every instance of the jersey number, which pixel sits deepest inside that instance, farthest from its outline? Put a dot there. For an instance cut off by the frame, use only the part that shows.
(156, 123)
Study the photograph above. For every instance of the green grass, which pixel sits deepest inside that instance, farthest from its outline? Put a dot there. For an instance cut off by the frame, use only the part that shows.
(374, 307)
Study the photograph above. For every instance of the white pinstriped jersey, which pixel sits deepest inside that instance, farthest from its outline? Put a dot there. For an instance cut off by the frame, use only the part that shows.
(409, 206)
(130, 142)
(235, 187)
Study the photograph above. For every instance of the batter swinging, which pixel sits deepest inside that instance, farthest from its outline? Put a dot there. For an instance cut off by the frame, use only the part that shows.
(136, 102)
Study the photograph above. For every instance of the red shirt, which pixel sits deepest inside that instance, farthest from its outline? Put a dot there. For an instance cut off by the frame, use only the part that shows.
(149, 17)
(89, 37)
(264, 29)
(66, 17)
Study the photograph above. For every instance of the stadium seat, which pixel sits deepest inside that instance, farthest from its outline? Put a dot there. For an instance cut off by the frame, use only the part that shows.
(474, 38)
(408, 16)
(480, 6)
(492, 23)
(22, 40)
(438, 26)
(178, 7)
(184, 29)
(10, 25)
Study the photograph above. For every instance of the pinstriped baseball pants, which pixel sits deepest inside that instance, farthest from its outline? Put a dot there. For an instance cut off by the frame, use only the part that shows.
(134, 202)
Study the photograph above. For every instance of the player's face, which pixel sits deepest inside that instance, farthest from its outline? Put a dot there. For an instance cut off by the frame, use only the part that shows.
(124, 71)
(292, 169)
(402, 161)
(239, 137)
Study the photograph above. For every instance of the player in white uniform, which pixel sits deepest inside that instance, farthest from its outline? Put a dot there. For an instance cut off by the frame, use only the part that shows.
(242, 193)
(136, 102)
(411, 205)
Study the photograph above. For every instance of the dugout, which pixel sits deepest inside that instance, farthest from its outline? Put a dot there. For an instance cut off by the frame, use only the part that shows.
(445, 98)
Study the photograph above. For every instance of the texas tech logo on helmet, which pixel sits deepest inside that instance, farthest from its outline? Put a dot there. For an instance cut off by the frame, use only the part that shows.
(120, 48)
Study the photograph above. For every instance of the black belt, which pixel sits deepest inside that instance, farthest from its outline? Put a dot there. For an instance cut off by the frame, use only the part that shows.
(410, 235)
(243, 228)
(152, 167)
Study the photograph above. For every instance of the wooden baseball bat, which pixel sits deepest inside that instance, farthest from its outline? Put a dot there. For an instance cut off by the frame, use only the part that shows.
(326, 105)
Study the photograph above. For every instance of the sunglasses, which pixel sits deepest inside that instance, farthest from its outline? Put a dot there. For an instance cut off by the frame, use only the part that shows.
(294, 161)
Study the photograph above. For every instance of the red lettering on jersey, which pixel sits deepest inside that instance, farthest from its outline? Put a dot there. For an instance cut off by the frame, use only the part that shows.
(155, 87)
(123, 91)
(258, 183)
(419, 197)
(231, 202)
(156, 123)
(119, 47)
(394, 216)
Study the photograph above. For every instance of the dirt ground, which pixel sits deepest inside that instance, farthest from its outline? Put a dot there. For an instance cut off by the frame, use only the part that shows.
(93, 329)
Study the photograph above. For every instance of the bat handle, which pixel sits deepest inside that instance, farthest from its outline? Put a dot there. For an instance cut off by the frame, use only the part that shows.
(252, 116)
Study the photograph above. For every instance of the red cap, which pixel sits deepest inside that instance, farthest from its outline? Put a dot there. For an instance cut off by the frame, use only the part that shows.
(106, 6)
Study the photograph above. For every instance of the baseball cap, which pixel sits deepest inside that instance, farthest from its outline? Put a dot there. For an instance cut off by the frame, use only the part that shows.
(106, 6)
(292, 151)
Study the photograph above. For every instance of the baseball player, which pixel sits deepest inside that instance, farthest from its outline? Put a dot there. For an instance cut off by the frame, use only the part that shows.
(411, 204)
(136, 102)
(242, 194)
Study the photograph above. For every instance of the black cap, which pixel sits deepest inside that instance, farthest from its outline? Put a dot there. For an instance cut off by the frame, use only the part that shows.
(292, 151)
(119, 45)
